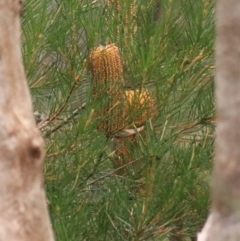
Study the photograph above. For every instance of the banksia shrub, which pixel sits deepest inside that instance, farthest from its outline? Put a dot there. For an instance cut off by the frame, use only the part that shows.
(122, 113)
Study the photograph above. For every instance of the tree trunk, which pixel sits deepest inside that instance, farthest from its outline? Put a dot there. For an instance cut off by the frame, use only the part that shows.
(223, 223)
(23, 208)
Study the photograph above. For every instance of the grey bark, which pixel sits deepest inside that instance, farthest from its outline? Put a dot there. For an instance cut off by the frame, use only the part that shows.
(223, 224)
(23, 209)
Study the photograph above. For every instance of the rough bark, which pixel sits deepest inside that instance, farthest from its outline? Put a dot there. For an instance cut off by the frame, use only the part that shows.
(23, 209)
(223, 224)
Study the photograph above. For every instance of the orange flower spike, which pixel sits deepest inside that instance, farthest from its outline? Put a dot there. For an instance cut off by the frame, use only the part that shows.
(139, 106)
(105, 63)
(107, 72)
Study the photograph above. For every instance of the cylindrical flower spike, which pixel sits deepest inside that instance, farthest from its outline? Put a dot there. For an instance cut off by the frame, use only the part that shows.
(105, 64)
(139, 106)
(107, 72)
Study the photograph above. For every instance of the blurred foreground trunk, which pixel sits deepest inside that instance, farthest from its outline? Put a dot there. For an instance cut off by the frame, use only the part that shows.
(223, 223)
(23, 208)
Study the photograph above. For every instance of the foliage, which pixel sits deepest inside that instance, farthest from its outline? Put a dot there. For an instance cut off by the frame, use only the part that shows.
(166, 47)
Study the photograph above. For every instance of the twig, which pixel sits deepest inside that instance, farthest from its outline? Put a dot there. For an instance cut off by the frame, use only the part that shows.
(61, 108)
(113, 171)
(66, 121)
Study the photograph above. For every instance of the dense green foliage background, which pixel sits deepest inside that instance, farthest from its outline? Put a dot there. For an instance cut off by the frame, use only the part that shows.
(167, 50)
